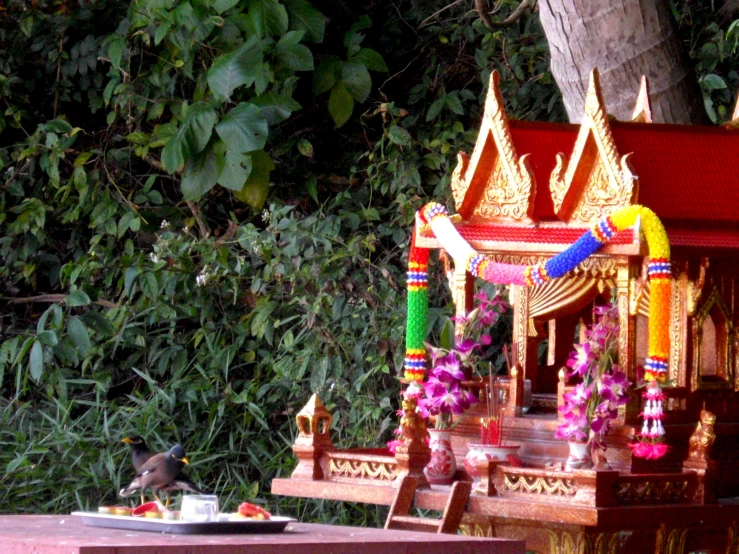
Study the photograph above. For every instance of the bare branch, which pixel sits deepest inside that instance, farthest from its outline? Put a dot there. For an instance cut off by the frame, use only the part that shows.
(438, 12)
(522, 8)
(53, 299)
(202, 227)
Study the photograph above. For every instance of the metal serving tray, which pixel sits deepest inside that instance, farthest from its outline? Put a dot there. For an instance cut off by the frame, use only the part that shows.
(276, 524)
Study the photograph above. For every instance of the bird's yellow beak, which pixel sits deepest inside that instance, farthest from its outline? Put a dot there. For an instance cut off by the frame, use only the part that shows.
(184, 461)
(127, 440)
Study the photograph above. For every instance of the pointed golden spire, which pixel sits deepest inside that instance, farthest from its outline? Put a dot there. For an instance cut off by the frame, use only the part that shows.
(643, 108)
(595, 169)
(494, 182)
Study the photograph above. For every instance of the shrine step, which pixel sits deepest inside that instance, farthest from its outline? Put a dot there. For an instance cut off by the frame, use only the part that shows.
(456, 505)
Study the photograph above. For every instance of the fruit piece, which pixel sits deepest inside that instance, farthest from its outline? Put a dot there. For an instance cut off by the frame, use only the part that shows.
(145, 508)
(252, 511)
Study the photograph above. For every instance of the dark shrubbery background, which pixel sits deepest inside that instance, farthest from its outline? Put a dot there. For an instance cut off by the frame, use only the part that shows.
(140, 297)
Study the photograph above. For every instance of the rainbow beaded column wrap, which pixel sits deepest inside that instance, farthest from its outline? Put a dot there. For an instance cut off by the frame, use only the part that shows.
(436, 217)
(417, 283)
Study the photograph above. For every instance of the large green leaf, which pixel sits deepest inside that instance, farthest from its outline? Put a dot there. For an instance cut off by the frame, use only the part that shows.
(276, 107)
(36, 361)
(304, 17)
(80, 337)
(235, 69)
(340, 104)
(198, 125)
(244, 128)
(371, 59)
(357, 80)
(236, 170)
(294, 55)
(78, 298)
(256, 187)
(267, 18)
(200, 175)
(220, 6)
(326, 74)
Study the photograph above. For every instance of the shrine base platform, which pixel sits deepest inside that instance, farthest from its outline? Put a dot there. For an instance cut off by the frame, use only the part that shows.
(554, 528)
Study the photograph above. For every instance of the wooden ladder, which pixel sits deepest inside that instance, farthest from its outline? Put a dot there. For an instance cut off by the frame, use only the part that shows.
(456, 504)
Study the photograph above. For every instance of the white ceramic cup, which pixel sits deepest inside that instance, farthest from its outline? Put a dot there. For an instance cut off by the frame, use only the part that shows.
(199, 507)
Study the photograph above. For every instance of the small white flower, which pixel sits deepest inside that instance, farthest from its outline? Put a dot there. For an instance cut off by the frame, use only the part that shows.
(164, 224)
(153, 257)
(202, 277)
(186, 228)
(265, 215)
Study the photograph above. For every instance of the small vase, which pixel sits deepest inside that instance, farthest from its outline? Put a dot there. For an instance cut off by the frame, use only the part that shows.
(580, 456)
(442, 467)
(480, 452)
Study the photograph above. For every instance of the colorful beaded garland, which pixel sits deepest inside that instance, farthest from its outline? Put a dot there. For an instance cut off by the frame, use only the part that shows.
(659, 270)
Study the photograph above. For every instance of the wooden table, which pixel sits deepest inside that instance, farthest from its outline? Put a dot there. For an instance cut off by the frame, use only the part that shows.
(68, 535)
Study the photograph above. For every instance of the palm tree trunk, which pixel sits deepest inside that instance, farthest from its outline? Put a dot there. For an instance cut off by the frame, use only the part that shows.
(623, 39)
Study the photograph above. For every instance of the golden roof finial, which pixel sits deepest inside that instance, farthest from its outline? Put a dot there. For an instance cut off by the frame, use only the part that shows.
(643, 108)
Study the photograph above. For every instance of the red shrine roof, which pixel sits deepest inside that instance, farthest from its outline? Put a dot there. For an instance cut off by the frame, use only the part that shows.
(575, 174)
(687, 174)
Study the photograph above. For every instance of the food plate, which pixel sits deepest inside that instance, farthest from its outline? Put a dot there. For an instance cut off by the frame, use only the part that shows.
(276, 524)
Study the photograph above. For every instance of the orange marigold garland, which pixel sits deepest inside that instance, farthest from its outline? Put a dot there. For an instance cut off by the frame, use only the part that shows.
(650, 443)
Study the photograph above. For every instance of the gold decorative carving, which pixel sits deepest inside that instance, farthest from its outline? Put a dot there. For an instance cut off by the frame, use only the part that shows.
(459, 182)
(695, 288)
(557, 184)
(566, 542)
(504, 197)
(652, 492)
(520, 301)
(413, 454)
(531, 484)
(604, 194)
(495, 182)
(596, 180)
(640, 292)
(484, 530)
(670, 541)
(643, 108)
(732, 539)
(702, 439)
(679, 326)
(361, 469)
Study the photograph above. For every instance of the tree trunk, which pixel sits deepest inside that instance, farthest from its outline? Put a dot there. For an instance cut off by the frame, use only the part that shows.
(623, 39)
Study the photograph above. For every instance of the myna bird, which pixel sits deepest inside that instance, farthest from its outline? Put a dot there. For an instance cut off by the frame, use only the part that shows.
(141, 454)
(158, 473)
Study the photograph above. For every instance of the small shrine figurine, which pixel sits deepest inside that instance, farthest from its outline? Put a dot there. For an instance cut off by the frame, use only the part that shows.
(702, 438)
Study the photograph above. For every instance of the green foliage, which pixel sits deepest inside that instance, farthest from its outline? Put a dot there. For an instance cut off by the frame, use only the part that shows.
(713, 48)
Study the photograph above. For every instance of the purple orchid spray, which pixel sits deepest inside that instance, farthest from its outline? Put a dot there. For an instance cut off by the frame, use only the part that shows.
(592, 405)
(444, 395)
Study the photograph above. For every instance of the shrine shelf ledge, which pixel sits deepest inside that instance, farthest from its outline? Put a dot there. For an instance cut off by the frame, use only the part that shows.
(617, 517)
(25, 534)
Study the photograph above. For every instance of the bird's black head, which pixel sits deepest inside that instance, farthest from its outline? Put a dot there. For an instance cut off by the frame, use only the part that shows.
(178, 453)
(136, 442)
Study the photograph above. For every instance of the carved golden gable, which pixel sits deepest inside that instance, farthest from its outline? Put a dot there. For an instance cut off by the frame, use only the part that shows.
(596, 180)
(494, 183)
